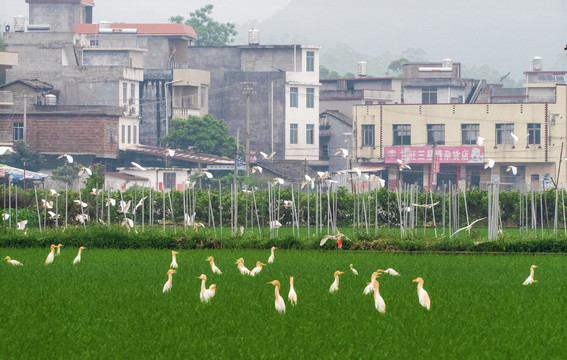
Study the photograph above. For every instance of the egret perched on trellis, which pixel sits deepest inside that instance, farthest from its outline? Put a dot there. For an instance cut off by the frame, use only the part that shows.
(422, 294)
(279, 303)
(292, 296)
(335, 285)
(353, 270)
(257, 269)
(206, 294)
(214, 268)
(530, 279)
(271, 258)
(173, 259)
(169, 282)
(12, 261)
(78, 257)
(51, 255)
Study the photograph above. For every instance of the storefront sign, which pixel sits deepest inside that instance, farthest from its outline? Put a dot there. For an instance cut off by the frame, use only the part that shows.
(424, 154)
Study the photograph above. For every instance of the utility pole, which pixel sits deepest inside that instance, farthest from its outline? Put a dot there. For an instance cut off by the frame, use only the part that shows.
(166, 105)
(247, 88)
(235, 182)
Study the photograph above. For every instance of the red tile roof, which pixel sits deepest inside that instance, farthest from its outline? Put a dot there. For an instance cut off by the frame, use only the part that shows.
(86, 2)
(143, 29)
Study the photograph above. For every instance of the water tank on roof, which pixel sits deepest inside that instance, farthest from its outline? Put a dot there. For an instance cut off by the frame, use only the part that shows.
(253, 37)
(50, 100)
(537, 63)
(104, 24)
(19, 23)
(447, 63)
(362, 69)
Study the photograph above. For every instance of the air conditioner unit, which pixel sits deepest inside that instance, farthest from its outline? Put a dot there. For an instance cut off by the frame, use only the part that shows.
(133, 110)
(125, 108)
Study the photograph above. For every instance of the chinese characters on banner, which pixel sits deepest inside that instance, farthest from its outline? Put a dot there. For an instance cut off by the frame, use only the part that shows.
(424, 154)
(252, 158)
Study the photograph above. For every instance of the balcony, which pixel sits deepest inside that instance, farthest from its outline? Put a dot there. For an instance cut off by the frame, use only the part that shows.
(8, 59)
(186, 112)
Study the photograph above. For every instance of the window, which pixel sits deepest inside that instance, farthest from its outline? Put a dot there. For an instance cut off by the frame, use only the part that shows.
(18, 131)
(367, 135)
(436, 134)
(310, 134)
(292, 97)
(503, 133)
(135, 135)
(129, 134)
(469, 133)
(402, 134)
(310, 61)
(429, 95)
(203, 95)
(310, 98)
(293, 133)
(123, 134)
(169, 180)
(132, 93)
(534, 134)
(124, 93)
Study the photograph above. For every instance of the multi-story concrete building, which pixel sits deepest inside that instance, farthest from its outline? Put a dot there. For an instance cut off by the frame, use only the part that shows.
(438, 83)
(452, 142)
(268, 94)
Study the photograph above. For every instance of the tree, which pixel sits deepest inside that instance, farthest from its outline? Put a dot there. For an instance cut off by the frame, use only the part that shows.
(207, 134)
(396, 66)
(209, 31)
(68, 173)
(24, 158)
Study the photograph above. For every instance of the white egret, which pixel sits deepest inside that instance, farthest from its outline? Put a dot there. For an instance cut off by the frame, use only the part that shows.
(257, 168)
(51, 255)
(278, 180)
(370, 288)
(6, 149)
(422, 294)
(353, 270)
(279, 303)
(512, 168)
(21, 225)
(138, 166)
(378, 300)
(530, 279)
(85, 170)
(206, 294)
(78, 257)
(173, 259)
(271, 258)
(214, 268)
(243, 269)
(392, 272)
(257, 268)
(274, 224)
(81, 203)
(342, 152)
(266, 156)
(469, 226)
(292, 296)
(169, 282)
(12, 261)
(59, 249)
(402, 165)
(480, 140)
(489, 163)
(335, 285)
(69, 158)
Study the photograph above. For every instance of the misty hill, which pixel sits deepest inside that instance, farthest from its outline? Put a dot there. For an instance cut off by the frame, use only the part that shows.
(496, 36)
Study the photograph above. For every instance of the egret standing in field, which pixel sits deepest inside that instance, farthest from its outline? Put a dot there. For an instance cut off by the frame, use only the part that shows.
(335, 285)
(271, 258)
(51, 255)
(530, 279)
(392, 272)
(243, 269)
(173, 259)
(370, 287)
(206, 294)
(78, 258)
(292, 296)
(422, 294)
(59, 249)
(169, 281)
(12, 261)
(378, 300)
(353, 270)
(280, 304)
(214, 268)
(257, 269)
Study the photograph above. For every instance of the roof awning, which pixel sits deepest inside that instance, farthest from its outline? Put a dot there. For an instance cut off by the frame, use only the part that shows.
(18, 174)
(370, 167)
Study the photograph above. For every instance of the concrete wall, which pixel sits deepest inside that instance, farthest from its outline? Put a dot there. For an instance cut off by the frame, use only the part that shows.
(60, 17)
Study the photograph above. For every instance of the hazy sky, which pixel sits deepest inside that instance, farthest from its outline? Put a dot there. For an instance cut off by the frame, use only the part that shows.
(149, 11)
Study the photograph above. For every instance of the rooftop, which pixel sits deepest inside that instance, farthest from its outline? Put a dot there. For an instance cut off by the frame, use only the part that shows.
(143, 29)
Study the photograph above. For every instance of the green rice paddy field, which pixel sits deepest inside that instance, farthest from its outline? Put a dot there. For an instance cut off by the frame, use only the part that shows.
(111, 305)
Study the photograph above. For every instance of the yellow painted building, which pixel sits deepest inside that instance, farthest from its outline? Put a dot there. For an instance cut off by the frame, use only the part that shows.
(455, 140)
